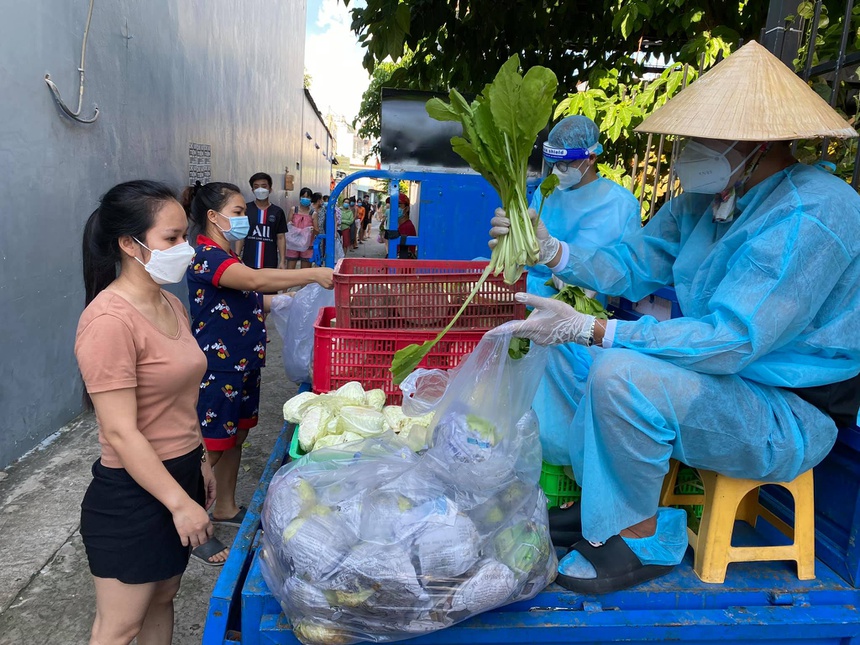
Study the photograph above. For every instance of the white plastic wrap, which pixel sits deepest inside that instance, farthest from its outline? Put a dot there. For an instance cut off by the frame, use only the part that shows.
(371, 541)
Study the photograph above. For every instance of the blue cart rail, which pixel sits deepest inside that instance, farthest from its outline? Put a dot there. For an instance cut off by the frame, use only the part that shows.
(763, 602)
(223, 621)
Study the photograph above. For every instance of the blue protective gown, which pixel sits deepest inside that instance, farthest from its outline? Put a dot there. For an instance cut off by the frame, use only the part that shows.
(595, 215)
(771, 300)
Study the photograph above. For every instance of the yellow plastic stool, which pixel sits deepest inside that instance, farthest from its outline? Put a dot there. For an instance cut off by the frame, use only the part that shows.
(727, 499)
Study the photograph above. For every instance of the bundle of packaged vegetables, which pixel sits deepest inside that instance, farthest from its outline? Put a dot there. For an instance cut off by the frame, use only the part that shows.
(351, 414)
(373, 541)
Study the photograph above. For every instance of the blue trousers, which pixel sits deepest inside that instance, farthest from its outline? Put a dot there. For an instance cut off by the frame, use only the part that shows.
(633, 412)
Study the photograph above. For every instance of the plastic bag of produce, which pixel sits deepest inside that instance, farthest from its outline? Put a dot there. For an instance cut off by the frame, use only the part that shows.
(294, 318)
(369, 541)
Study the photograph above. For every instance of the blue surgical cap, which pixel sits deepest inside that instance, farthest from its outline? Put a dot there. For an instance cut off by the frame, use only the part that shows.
(575, 133)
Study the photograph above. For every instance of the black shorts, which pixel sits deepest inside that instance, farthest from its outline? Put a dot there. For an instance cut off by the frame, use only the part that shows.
(127, 533)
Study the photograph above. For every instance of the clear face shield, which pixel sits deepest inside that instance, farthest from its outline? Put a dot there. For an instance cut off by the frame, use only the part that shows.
(568, 164)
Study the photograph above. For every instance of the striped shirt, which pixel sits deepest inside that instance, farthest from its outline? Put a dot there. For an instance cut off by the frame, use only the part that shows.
(260, 250)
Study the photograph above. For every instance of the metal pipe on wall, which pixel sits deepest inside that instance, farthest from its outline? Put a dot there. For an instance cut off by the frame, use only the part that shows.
(76, 115)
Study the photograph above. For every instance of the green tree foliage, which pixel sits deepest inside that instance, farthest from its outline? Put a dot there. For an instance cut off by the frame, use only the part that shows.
(608, 48)
(610, 44)
(827, 44)
(618, 108)
(460, 43)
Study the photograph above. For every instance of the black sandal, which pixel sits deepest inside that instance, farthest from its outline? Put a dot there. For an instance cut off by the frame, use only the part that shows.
(202, 553)
(616, 565)
(565, 525)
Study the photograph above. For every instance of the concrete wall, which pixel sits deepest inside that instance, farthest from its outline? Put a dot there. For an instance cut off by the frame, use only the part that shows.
(164, 73)
(316, 170)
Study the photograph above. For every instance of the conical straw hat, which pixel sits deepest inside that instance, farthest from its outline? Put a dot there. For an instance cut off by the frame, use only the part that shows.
(749, 96)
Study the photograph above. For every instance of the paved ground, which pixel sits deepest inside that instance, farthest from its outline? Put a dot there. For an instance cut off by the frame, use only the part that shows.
(46, 593)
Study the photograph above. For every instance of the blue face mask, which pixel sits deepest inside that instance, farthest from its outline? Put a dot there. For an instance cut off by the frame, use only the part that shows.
(239, 228)
(305, 201)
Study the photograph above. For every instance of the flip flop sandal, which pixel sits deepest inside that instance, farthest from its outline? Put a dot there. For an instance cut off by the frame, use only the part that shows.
(236, 520)
(203, 552)
(616, 565)
(565, 525)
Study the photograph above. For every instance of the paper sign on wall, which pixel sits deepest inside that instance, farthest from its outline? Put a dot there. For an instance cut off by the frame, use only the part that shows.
(199, 163)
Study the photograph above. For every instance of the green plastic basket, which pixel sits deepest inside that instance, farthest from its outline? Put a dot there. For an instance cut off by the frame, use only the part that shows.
(557, 486)
(689, 483)
(296, 452)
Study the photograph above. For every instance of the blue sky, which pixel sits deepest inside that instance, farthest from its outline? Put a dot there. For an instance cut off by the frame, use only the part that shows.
(333, 58)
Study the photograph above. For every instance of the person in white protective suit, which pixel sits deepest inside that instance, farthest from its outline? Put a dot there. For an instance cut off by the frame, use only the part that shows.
(590, 212)
(762, 368)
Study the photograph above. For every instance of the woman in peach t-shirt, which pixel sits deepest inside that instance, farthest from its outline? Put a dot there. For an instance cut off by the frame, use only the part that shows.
(146, 507)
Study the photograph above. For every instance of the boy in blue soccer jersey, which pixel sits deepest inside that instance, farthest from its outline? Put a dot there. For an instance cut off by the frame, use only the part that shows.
(266, 246)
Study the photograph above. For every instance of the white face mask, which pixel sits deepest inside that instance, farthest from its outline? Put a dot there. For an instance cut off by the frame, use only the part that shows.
(567, 178)
(261, 193)
(705, 171)
(168, 266)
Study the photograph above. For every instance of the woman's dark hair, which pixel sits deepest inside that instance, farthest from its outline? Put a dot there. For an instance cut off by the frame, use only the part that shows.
(325, 197)
(126, 209)
(257, 176)
(316, 197)
(306, 192)
(199, 199)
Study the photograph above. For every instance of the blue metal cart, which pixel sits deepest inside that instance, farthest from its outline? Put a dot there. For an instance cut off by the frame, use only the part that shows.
(759, 602)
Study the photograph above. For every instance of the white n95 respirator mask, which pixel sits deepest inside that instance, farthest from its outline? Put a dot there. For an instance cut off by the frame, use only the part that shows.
(567, 178)
(168, 266)
(705, 171)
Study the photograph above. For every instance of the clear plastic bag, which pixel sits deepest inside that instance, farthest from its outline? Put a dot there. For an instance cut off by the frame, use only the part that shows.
(298, 238)
(294, 318)
(422, 390)
(370, 541)
(338, 249)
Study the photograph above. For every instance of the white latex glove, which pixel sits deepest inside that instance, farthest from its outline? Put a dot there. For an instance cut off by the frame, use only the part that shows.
(501, 226)
(551, 323)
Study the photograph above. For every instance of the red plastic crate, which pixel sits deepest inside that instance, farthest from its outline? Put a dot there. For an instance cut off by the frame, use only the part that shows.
(343, 355)
(420, 294)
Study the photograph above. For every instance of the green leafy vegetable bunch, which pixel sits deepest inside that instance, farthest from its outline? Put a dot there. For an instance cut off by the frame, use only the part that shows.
(499, 131)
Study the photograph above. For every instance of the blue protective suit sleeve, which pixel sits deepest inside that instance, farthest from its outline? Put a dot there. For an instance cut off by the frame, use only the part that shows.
(635, 267)
(592, 216)
(638, 265)
(772, 292)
